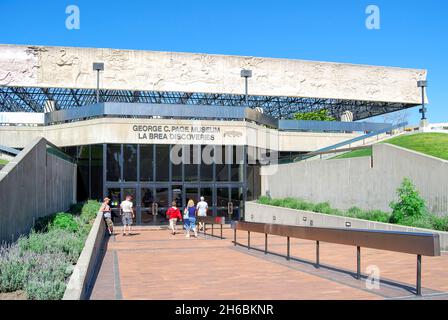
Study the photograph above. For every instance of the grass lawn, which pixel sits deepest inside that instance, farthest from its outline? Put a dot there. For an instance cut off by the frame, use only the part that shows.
(3, 162)
(433, 144)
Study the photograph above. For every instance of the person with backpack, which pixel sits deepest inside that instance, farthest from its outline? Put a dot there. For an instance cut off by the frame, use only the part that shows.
(173, 214)
(190, 219)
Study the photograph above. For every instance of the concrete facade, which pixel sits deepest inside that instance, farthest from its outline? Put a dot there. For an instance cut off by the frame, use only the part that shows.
(68, 67)
(256, 212)
(33, 185)
(121, 130)
(78, 287)
(368, 183)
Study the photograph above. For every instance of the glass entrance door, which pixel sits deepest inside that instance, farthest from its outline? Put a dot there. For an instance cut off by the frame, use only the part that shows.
(146, 204)
(161, 204)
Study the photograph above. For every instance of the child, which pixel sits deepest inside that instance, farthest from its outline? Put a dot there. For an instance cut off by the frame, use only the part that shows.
(173, 214)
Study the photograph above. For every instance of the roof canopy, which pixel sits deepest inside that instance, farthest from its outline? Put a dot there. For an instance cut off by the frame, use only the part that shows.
(30, 75)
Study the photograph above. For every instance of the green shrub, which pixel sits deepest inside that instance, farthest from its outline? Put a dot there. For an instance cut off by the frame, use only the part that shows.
(323, 207)
(13, 269)
(64, 221)
(439, 223)
(90, 210)
(54, 241)
(410, 206)
(354, 212)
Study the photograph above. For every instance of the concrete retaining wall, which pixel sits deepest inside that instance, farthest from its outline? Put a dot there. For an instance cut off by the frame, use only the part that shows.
(78, 287)
(270, 214)
(368, 183)
(34, 184)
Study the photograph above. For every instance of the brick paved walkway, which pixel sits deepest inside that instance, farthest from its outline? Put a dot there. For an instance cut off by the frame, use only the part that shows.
(152, 264)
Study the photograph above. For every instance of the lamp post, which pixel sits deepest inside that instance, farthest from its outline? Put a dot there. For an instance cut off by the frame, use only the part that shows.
(423, 84)
(246, 74)
(98, 66)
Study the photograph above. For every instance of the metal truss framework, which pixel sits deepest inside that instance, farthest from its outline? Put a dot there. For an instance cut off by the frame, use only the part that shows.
(15, 99)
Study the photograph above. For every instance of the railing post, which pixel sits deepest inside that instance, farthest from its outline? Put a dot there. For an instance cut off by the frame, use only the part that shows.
(358, 262)
(419, 275)
(248, 240)
(234, 236)
(288, 246)
(265, 243)
(317, 254)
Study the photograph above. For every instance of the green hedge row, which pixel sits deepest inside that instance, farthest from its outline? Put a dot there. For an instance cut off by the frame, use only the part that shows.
(409, 210)
(41, 263)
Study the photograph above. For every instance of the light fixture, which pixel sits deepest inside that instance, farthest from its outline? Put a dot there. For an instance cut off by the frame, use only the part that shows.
(246, 74)
(98, 66)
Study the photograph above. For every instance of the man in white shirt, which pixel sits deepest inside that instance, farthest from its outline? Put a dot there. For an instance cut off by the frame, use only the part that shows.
(127, 214)
(202, 208)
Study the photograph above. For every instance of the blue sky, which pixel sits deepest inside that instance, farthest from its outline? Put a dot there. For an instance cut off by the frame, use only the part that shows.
(413, 33)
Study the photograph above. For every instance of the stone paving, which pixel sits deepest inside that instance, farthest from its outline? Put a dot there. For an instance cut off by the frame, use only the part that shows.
(153, 264)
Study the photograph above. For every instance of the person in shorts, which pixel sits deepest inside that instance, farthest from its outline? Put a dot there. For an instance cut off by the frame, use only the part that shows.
(107, 215)
(202, 208)
(127, 214)
(173, 214)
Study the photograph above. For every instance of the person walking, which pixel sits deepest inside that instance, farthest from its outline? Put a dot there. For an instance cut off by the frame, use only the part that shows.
(173, 214)
(202, 208)
(190, 218)
(127, 214)
(107, 215)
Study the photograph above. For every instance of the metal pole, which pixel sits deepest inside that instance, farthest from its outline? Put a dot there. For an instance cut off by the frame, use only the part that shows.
(248, 240)
(288, 247)
(419, 275)
(423, 104)
(317, 254)
(358, 256)
(97, 86)
(247, 92)
(212, 229)
(221, 232)
(234, 236)
(265, 243)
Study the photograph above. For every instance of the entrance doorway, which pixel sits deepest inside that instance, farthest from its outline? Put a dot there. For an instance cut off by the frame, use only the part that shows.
(151, 201)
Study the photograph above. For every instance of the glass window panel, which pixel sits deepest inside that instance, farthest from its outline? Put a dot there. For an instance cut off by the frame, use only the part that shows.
(162, 162)
(206, 169)
(113, 162)
(191, 169)
(222, 168)
(176, 169)
(96, 170)
(146, 162)
(130, 162)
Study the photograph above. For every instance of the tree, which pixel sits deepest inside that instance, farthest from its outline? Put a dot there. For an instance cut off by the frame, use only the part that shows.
(318, 115)
(410, 206)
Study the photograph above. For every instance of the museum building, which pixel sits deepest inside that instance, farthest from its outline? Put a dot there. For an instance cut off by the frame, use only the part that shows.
(164, 126)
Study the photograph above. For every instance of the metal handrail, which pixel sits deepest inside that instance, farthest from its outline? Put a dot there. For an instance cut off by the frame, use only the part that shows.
(212, 220)
(348, 142)
(426, 244)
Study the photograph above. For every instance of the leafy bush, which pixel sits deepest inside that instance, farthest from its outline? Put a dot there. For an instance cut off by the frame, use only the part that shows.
(13, 269)
(319, 115)
(41, 262)
(65, 221)
(410, 206)
(54, 241)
